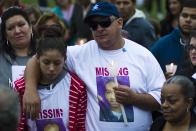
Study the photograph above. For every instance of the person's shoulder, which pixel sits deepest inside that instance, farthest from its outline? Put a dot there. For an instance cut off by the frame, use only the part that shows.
(135, 47)
(163, 41)
(172, 37)
(137, 50)
(142, 22)
(82, 48)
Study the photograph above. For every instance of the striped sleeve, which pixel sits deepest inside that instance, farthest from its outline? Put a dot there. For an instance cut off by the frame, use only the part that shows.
(20, 87)
(77, 104)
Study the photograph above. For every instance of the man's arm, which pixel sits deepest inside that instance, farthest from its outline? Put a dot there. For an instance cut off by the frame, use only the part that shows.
(125, 95)
(31, 99)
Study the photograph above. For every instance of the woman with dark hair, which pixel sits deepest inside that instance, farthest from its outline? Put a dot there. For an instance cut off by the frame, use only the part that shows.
(173, 8)
(176, 100)
(18, 44)
(63, 94)
(189, 67)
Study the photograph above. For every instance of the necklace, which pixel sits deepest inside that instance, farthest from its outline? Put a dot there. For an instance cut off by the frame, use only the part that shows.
(182, 43)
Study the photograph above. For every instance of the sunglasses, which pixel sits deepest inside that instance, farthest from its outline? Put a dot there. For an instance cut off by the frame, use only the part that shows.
(103, 23)
(191, 47)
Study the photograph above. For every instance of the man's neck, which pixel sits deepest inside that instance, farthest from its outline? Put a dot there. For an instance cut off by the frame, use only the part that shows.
(185, 38)
(129, 17)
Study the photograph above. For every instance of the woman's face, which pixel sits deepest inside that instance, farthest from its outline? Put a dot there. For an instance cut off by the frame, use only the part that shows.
(192, 51)
(51, 65)
(18, 32)
(173, 103)
(174, 6)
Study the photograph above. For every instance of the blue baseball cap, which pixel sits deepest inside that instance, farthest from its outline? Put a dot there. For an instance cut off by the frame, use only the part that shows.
(102, 9)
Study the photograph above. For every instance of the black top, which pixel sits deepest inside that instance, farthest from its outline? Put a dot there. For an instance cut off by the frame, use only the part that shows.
(159, 123)
(166, 27)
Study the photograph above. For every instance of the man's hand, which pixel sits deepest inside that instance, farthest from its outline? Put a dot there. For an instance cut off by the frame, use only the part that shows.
(124, 95)
(31, 104)
(31, 99)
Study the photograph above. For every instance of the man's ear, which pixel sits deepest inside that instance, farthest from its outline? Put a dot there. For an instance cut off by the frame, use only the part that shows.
(120, 22)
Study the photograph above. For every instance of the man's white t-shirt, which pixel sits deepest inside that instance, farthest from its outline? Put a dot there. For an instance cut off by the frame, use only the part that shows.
(136, 68)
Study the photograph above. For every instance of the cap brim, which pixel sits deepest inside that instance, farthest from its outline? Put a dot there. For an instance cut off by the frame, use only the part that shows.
(88, 17)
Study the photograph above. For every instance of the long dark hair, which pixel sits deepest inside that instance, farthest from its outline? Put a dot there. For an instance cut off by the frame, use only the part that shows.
(188, 68)
(51, 38)
(169, 15)
(6, 46)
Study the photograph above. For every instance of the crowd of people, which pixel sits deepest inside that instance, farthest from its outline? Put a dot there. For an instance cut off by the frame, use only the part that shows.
(97, 66)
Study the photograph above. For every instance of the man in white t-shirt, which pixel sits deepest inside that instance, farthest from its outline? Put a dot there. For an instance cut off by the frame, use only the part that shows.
(110, 57)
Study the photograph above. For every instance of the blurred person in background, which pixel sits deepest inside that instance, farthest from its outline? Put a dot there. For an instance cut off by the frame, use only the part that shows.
(71, 13)
(189, 67)
(176, 100)
(140, 30)
(148, 4)
(9, 109)
(4, 4)
(173, 8)
(171, 48)
(34, 13)
(85, 33)
(48, 19)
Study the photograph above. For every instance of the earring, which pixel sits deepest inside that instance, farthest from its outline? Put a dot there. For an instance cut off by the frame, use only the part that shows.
(7, 42)
(32, 35)
(187, 109)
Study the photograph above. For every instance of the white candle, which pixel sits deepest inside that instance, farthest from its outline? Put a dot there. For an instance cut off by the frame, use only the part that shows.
(171, 68)
(113, 70)
(81, 42)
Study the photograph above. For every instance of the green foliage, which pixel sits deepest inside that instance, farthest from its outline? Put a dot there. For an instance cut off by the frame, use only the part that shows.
(30, 2)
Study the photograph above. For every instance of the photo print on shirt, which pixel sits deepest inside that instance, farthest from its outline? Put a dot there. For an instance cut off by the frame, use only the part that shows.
(110, 110)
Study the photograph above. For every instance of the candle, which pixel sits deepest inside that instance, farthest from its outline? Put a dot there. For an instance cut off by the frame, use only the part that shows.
(113, 70)
(81, 41)
(171, 68)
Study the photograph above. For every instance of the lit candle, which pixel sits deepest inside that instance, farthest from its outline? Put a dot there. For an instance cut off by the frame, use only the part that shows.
(171, 68)
(81, 42)
(113, 70)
